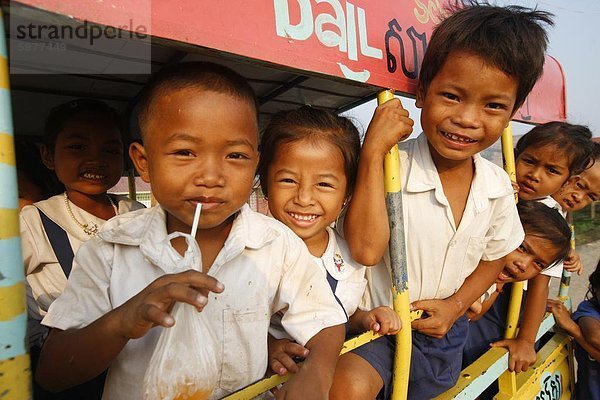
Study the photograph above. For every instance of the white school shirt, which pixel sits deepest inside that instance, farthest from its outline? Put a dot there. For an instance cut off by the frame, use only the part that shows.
(44, 276)
(264, 266)
(349, 274)
(440, 256)
(556, 270)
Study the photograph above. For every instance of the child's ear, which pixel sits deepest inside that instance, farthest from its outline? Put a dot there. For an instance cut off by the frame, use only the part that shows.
(137, 152)
(47, 157)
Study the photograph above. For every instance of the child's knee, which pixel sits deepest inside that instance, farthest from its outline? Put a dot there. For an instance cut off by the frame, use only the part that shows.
(355, 379)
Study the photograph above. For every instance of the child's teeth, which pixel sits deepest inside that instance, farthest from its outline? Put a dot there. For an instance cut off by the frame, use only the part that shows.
(88, 175)
(458, 138)
(303, 217)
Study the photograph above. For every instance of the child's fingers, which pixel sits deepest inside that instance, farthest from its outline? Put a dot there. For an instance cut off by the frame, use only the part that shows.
(156, 316)
(278, 367)
(179, 292)
(375, 327)
(285, 361)
(500, 343)
(200, 280)
(295, 349)
(393, 103)
(395, 325)
(425, 305)
(384, 326)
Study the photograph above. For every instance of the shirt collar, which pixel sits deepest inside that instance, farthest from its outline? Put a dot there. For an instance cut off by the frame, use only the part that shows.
(423, 176)
(333, 258)
(149, 232)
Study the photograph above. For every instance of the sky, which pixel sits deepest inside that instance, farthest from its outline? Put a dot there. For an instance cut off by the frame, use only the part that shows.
(574, 42)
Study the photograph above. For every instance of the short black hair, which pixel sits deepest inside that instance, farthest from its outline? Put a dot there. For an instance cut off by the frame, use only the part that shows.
(573, 140)
(61, 114)
(310, 123)
(594, 155)
(197, 74)
(546, 223)
(510, 38)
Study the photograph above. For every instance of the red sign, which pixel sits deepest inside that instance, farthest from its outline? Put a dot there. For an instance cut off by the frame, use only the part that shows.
(376, 42)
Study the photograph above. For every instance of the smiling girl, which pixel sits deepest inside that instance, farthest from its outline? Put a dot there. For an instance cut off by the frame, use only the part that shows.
(83, 145)
(308, 164)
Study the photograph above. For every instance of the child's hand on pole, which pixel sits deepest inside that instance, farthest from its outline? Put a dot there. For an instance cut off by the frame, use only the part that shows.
(390, 124)
(151, 306)
(521, 353)
(382, 320)
(442, 315)
(282, 353)
(573, 263)
(562, 316)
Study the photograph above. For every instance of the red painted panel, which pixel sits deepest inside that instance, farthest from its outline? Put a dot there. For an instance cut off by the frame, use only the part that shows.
(378, 42)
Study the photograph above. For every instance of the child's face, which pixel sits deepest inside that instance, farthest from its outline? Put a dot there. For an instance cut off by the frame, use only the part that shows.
(307, 188)
(534, 255)
(200, 147)
(580, 190)
(88, 155)
(541, 171)
(466, 107)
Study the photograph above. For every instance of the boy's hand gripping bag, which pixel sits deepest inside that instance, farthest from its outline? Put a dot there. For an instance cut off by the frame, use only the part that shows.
(186, 359)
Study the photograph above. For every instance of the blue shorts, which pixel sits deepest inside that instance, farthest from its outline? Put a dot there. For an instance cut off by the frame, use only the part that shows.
(435, 363)
(489, 329)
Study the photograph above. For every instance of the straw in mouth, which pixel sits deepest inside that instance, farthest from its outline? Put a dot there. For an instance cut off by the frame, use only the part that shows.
(196, 219)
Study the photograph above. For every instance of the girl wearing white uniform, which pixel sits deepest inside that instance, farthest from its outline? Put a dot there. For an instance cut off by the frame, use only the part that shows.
(307, 169)
(83, 145)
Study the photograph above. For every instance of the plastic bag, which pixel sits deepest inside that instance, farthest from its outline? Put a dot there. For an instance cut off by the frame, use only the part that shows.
(185, 363)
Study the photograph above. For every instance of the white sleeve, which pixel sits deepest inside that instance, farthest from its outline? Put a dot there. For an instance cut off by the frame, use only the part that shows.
(305, 291)
(505, 229)
(86, 297)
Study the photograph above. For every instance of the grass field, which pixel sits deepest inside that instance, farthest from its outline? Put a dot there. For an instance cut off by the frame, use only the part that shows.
(586, 229)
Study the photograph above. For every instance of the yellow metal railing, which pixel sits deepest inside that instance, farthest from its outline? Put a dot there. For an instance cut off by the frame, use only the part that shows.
(15, 375)
(393, 189)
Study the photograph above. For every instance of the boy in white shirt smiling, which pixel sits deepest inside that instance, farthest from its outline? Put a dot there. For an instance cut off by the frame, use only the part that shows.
(459, 212)
(200, 131)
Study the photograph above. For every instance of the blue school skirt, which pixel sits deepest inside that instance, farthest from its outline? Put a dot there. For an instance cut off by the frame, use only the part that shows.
(435, 364)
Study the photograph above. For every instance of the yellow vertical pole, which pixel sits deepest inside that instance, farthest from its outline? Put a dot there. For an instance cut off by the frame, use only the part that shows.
(393, 189)
(15, 376)
(508, 381)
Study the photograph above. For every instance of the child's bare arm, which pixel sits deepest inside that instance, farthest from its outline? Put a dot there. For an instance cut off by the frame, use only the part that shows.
(315, 375)
(475, 315)
(586, 331)
(443, 313)
(522, 349)
(367, 233)
(74, 356)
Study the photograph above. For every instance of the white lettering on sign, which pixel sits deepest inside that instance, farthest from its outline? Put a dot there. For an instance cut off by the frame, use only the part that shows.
(345, 28)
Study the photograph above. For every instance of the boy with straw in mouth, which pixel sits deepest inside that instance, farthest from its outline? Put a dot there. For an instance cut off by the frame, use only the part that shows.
(199, 126)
